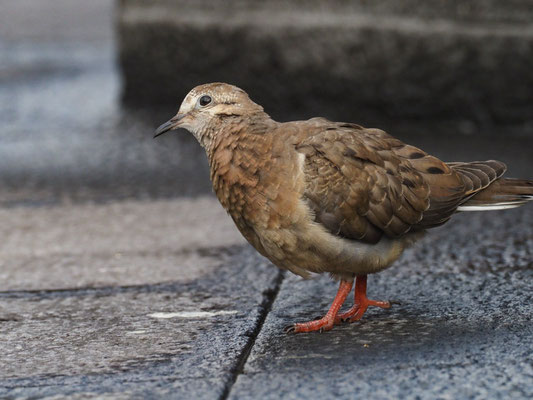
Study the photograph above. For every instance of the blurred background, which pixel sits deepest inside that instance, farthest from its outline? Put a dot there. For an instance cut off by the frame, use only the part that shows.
(84, 84)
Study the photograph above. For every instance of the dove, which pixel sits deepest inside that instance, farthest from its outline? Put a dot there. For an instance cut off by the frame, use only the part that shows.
(320, 196)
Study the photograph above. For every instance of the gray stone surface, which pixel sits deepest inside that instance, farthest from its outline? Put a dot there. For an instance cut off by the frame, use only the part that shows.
(445, 66)
(118, 243)
(171, 340)
(516, 11)
(463, 329)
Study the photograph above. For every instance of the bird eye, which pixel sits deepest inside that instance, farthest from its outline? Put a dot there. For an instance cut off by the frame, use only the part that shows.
(205, 100)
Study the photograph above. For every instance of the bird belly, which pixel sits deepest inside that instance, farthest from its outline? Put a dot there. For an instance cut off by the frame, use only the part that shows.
(307, 247)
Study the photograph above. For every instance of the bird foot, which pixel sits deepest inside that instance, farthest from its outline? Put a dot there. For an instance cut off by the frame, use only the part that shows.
(359, 308)
(361, 304)
(323, 324)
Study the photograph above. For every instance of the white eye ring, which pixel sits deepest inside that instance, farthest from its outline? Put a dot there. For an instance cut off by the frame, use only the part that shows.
(204, 100)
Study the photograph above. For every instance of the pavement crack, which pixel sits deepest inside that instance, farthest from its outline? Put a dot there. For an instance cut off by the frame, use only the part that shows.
(266, 305)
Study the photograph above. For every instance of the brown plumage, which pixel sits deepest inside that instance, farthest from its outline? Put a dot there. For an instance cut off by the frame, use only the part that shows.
(319, 196)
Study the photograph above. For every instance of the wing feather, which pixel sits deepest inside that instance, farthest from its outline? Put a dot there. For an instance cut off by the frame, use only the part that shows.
(363, 183)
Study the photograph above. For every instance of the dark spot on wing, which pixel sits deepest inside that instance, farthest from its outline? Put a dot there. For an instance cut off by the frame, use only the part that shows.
(435, 170)
(403, 168)
(416, 155)
(408, 182)
(349, 153)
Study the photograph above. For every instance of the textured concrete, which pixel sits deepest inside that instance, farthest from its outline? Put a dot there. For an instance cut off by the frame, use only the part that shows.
(148, 341)
(443, 66)
(120, 243)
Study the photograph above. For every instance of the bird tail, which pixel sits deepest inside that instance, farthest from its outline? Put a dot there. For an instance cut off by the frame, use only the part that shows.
(502, 194)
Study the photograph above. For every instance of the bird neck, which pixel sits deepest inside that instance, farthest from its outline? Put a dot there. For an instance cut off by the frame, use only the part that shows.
(232, 128)
(237, 156)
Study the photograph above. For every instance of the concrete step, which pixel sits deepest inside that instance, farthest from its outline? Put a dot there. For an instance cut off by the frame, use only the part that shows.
(458, 67)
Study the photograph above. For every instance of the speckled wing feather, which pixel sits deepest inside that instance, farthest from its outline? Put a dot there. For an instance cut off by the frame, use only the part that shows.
(451, 184)
(357, 185)
(363, 183)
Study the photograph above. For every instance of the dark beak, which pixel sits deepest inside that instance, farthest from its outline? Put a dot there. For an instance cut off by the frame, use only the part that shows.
(169, 125)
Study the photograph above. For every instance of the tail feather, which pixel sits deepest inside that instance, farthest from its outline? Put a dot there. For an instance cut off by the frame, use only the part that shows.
(502, 194)
(477, 175)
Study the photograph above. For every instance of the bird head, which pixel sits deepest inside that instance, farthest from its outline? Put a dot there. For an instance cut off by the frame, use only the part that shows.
(207, 104)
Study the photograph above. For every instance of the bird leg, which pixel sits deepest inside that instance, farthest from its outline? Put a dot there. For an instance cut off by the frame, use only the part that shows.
(325, 323)
(361, 303)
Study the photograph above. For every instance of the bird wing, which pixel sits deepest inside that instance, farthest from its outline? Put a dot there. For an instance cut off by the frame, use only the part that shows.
(363, 183)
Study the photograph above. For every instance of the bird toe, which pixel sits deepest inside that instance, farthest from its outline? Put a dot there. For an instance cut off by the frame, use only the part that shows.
(289, 329)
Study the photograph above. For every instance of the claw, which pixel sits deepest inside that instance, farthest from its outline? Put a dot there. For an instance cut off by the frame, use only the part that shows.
(289, 329)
